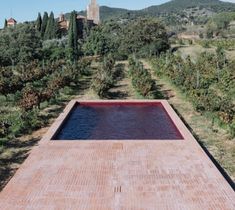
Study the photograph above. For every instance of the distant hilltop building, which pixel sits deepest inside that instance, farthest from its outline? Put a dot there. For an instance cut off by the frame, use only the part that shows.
(93, 18)
(93, 12)
(63, 23)
(11, 22)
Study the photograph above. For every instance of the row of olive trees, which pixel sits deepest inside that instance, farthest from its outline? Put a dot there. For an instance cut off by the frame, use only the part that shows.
(208, 82)
(141, 78)
(35, 90)
(103, 79)
(13, 79)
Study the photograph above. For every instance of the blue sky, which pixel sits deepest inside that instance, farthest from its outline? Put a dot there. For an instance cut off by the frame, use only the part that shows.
(23, 10)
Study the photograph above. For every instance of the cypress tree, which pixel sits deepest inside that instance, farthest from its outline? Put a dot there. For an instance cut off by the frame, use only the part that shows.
(5, 23)
(57, 31)
(50, 29)
(44, 23)
(39, 22)
(73, 37)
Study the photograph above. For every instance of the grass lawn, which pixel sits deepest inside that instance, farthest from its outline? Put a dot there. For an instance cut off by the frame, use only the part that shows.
(195, 50)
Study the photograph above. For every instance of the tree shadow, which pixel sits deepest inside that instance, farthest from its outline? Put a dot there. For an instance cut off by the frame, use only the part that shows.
(157, 93)
(117, 95)
(16, 143)
(168, 94)
(119, 73)
(18, 152)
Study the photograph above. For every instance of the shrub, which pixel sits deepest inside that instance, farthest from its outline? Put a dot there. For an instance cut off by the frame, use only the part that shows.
(103, 79)
(208, 82)
(141, 78)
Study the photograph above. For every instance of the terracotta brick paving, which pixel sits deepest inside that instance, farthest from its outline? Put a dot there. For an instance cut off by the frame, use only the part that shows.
(118, 175)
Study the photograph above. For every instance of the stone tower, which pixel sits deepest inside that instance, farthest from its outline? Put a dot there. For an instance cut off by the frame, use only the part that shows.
(93, 12)
(61, 17)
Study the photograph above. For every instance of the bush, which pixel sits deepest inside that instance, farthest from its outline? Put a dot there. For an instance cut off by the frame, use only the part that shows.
(103, 79)
(141, 78)
(208, 82)
(232, 130)
(30, 121)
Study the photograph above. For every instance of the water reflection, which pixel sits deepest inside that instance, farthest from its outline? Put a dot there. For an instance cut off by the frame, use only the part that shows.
(118, 122)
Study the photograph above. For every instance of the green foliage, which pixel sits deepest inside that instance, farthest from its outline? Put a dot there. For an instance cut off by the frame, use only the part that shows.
(201, 35)
(169, 10)
(30, 86)
(5, 24)
(223, 19)
(9, 82)
(178, 5)
(51, 28)
(232, 130)
(30, 98)
(210, 30)
(29, 121)
(144, 37)
(4, 128)
(148, 35)
(19, 44)
(226, 44)
(98, 42)
(103, 79)
(141, 78)
(44, 23)
(55, 49)
(73, 37)
(209, 83)
(39, 22)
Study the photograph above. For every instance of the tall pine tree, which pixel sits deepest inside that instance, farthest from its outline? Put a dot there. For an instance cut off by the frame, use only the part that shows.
(39, 22)
(44, 23)
(73, 37)
(50, 32)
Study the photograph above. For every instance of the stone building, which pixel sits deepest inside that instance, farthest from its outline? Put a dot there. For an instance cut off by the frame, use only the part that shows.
(11, 22)
(93, 18)
(63, 23)
(93, 12)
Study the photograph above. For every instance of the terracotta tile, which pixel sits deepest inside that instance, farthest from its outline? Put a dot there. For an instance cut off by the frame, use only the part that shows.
(118, 175)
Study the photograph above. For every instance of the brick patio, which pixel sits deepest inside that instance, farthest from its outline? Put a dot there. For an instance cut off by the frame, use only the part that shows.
(118, 175)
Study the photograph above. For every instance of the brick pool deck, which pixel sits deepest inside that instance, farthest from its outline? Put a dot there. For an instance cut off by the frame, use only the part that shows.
(118, 175)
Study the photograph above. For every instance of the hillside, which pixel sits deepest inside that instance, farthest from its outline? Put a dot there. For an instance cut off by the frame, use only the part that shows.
(106, 13)
(173, 12)
(181, 7)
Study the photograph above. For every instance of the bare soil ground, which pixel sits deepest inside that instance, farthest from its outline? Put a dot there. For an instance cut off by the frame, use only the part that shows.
(123, 88)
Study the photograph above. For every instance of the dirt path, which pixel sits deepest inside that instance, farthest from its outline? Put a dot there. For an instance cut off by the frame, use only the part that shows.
(215, 139)
(123, 88)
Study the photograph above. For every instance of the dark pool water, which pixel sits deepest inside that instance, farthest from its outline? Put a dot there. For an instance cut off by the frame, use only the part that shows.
(118, 122)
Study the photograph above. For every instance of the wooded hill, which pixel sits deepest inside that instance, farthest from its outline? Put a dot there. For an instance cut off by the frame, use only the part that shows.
(177, 6)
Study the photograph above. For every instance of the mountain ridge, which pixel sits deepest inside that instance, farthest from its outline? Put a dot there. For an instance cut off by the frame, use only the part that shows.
(215, 6)
(172, 10)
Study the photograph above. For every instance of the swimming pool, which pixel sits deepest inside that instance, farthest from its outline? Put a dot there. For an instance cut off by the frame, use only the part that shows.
(118, 121)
